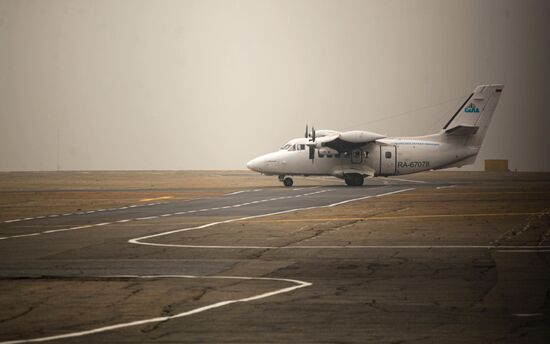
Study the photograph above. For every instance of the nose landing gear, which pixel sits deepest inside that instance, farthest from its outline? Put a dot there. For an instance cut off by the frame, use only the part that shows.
(287, 181)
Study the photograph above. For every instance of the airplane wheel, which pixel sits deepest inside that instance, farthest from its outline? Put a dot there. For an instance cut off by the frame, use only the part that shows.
(359, 180)
(354, 180)
(288, 181)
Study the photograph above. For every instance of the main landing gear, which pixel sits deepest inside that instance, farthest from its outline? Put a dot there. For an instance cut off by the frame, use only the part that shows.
(354, 179)
(287, 181)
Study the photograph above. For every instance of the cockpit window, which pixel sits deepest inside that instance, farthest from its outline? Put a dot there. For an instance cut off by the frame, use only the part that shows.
(293, 147)
(285, 147)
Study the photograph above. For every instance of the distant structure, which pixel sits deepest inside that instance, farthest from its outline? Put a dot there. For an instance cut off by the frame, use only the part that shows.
(496, 165)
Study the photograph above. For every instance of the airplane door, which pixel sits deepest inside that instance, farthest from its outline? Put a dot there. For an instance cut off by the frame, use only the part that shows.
(388, 158)
(356, 156)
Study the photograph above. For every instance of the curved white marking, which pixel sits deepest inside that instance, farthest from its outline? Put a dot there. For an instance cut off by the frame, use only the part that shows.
(501, 248)
(139, 240)
(297, 285)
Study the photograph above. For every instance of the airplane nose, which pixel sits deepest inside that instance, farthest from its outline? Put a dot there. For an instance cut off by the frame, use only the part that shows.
(253, 164)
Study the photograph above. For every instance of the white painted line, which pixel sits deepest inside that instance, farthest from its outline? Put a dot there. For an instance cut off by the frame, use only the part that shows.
(79, 227)
(445, 187)
(139, 240)
(297, 284)
(25, 235)
(306, 188)
(524, 315)
(2, 238)
(154, 217)
(367, 197)
(236, 192)
(56, 230)
(80, 212)
(409, 180)
(66, 229)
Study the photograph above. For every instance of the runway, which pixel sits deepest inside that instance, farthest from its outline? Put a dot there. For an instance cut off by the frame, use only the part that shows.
(435, 257)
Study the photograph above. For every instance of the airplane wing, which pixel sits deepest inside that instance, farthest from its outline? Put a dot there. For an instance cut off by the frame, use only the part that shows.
(347, 140)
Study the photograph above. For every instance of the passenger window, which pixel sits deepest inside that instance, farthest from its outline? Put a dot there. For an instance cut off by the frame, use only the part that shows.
(302, 147)
(388, 155)
(321, 155)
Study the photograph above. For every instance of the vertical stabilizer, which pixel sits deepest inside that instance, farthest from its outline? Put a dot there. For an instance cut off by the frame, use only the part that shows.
(473, 117)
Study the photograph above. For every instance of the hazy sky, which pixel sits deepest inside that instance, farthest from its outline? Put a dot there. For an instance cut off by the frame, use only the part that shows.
(211, 84)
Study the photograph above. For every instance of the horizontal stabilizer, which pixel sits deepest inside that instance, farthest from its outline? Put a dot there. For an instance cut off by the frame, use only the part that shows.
(462, 130)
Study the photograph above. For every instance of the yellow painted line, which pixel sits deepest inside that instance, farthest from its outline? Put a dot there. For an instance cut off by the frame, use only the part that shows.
(375, 218)
(155, 199)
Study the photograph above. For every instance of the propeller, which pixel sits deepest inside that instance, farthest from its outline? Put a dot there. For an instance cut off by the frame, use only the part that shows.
(312, 144)
(307, 133)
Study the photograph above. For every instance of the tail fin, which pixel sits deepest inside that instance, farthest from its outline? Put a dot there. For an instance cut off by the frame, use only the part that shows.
(473, 117)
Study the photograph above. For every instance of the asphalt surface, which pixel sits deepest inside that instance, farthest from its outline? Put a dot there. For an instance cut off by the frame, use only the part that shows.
(388, 262)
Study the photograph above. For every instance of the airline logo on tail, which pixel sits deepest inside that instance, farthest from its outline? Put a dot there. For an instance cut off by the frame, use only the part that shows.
(471, 108)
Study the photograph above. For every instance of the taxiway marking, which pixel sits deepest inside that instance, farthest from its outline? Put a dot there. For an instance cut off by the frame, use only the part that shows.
(321, 219)
(445, 187)
(503, 248)
(409, 180)
(139, 240)
(162, 215)
(81, 212)
(242, 191)
(297, 285)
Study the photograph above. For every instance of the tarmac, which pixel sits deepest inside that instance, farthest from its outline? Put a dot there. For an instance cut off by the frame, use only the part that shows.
(235, 257)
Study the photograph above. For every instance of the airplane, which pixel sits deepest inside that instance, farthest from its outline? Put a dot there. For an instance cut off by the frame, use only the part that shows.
(354, 155)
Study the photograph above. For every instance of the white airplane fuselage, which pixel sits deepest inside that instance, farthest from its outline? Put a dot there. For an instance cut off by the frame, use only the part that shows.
(387, 157)
(361, 154)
